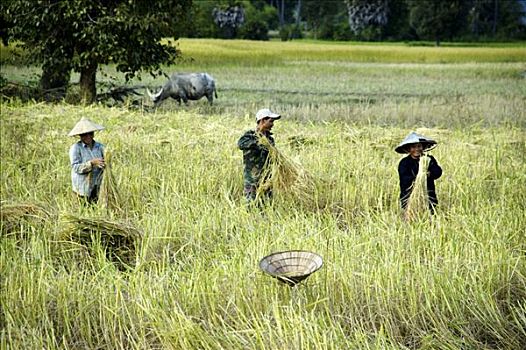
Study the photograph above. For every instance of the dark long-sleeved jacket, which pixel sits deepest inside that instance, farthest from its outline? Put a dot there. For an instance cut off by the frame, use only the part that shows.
(407, 170)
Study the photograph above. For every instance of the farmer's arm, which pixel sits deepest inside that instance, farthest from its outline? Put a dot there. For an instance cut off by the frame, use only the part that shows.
(247, 141)
(435, 171)
(75, 159)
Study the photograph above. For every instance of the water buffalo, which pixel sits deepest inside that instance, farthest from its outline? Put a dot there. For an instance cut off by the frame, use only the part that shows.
(186, 86)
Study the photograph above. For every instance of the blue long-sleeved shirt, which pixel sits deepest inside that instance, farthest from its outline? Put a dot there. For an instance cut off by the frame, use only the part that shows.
(84, 177)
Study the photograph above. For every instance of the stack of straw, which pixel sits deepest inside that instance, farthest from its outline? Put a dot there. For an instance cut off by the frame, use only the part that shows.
(417, 204)
(12, 215)
(109, 195)
(285, 177)
(117, 238)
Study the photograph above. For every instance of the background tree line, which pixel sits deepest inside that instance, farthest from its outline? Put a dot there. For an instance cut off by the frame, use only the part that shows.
(369, 20)
(81, 35)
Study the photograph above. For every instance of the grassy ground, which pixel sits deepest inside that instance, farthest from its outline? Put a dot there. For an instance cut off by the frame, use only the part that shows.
(456, 282)
(229, 52)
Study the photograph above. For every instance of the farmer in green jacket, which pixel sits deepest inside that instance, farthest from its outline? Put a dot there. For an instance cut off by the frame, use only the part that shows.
(255, 154)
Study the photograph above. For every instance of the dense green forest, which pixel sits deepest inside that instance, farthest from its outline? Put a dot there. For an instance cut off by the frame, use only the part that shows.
(369, 20)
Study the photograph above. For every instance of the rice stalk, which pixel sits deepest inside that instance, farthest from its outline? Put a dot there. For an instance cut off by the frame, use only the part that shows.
(13, 214)
(109, 195)
(418, 202)
(285, 177)
(119, 239)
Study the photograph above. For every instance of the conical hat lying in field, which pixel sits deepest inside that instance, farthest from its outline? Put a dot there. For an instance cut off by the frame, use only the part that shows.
(84, 126)
(292, 266)
(413, 137)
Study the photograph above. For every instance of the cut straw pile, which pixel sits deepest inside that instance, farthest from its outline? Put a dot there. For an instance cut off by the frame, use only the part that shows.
(286, 178)
(109, 195)
(417, 204)
(117, 238)
(13, 214)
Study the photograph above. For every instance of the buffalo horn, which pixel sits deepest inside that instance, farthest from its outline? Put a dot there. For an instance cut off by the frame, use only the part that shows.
(154, 96)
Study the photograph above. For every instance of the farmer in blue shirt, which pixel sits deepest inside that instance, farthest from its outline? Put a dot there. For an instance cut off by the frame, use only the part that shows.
(87, 161)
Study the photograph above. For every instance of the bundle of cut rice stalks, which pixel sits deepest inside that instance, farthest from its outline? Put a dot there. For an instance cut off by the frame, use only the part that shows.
(287, 178)
(417, 204)
(13, 215)
(117, 238)
(109, 195)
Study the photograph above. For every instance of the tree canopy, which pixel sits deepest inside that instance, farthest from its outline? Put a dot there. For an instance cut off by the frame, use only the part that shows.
(436, 19)
(370, 20)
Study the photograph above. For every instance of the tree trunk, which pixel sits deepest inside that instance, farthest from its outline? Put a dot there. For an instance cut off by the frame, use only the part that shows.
(298, 13)
(294, 32)
(88, 87)
(281, 13)
(54, 80)
(495, 17)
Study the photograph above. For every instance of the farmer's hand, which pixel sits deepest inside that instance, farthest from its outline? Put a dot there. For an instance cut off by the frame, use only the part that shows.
(97, 162)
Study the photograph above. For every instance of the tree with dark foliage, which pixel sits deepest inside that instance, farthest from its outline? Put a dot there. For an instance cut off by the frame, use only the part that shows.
(436, 20)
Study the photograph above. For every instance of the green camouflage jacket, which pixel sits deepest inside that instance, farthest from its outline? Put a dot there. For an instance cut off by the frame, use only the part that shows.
(254, 156)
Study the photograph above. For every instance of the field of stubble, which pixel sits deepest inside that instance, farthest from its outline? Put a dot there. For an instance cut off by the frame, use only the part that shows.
(457, 281)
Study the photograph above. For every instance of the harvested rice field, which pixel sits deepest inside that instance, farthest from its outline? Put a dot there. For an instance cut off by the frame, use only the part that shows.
(171, 259)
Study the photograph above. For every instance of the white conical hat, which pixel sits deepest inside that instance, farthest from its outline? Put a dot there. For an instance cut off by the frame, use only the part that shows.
(413, 137)
(84, 126)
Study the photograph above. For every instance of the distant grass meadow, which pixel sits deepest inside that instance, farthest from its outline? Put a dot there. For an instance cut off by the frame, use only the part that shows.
(229, 52)
(457, 281)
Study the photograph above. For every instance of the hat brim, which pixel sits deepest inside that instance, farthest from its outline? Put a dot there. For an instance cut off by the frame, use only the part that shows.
(426, 145)
(272, 116)
(85, 126)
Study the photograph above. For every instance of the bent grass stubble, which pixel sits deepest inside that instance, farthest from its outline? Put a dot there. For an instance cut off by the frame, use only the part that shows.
(418, 201)
(286, 178)
(109, 197)
(456, 283)
(194, 281)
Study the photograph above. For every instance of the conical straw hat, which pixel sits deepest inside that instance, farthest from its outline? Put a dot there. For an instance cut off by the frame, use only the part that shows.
(84, 126)
(292, 266)
(413, 137)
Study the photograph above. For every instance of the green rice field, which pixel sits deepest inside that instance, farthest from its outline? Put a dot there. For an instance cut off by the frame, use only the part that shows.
(191, 279)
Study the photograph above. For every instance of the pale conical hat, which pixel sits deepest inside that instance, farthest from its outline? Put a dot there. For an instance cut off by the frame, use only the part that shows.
(413, 137)
(291, 266)
(84, 126)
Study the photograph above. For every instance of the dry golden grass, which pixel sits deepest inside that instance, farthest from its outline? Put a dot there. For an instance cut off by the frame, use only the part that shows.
(417, 204)
(456, 282)
(286, 178)
(118, 239)
(13, 214)
(109, 197)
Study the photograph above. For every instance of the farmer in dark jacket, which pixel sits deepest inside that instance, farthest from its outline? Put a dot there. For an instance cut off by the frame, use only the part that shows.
(415, 145)
(255, 154)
